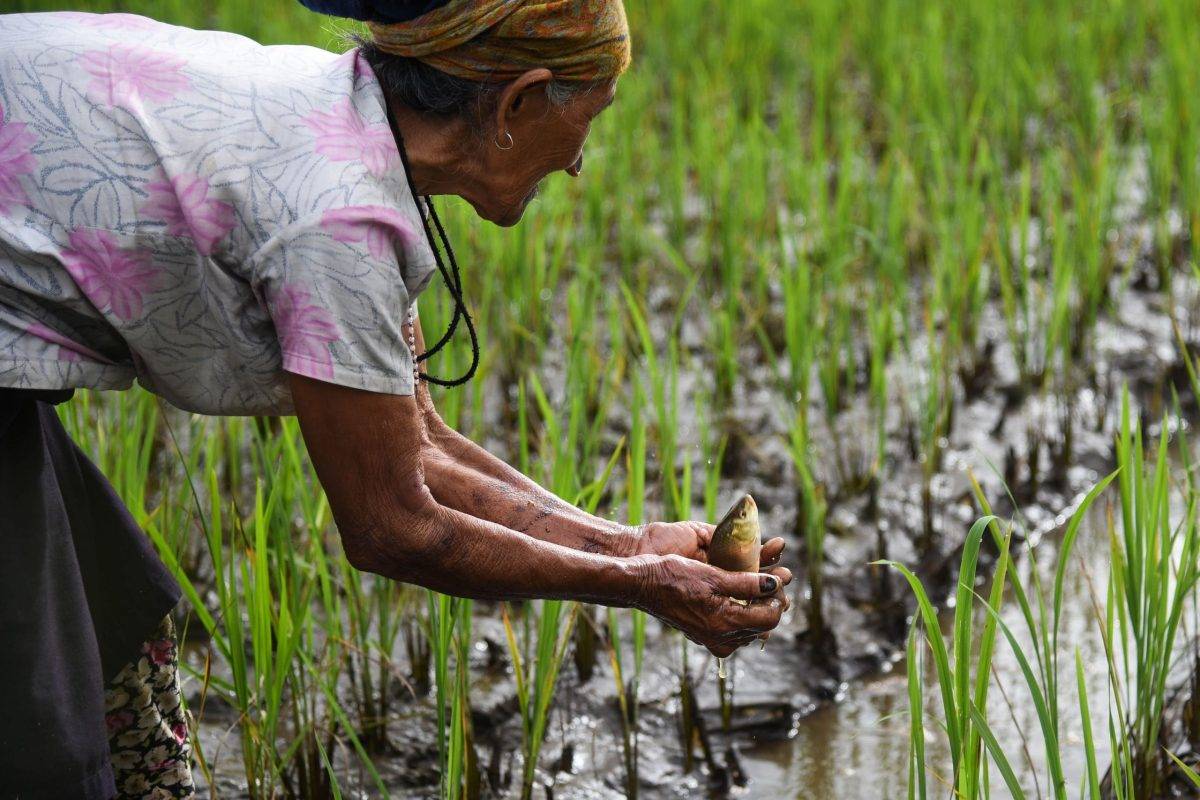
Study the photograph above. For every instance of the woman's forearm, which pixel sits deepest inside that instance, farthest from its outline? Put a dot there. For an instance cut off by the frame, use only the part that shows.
(369, 450)
(466, 477)
(456, 553)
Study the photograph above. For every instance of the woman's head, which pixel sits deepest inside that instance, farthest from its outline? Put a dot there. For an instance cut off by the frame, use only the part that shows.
(522, 79)
(514, 133)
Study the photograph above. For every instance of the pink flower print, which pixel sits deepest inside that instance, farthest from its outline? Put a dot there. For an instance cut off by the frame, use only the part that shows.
(160, 651)
(179, 731)
(111, 277)
(118, 721)
(379, 226)
(129, 75)
(16, 160)
(185, 205)
(305, 330)
(342, 135)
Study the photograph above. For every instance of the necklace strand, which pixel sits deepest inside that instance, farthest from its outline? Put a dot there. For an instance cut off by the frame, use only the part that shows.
(451, 277)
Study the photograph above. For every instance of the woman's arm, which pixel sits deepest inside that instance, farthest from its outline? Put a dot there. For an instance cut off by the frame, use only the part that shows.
(466, 477)
(367, 450)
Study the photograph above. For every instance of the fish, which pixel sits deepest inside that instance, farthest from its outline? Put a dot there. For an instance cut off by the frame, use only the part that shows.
(736, 544)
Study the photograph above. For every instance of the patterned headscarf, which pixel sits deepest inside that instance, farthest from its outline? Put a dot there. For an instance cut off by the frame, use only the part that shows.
(499, 40)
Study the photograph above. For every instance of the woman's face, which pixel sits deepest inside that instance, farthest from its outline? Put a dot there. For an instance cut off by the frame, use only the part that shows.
(545, 139)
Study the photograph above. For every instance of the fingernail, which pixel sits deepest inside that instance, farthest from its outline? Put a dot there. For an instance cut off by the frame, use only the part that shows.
(768, 584)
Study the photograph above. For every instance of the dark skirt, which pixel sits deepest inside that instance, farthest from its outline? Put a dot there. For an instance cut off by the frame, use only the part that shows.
(80, 589)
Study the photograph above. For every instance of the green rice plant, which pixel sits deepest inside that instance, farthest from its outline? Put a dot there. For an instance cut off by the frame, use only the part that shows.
(263, 599)
(954, 678)
(964, 699)
(1154, 571)
(690, 722)
(881, 321)
(836, 370)
(810, 519)
(450, 638)
(628, 688)
(1020, 292)
(960, 281)
(663, 383)
(536, 674)
(537, 654)
(687, 701)
(801, 301)
(373, 612)
(935, 406)
(915, 665)
(1085, 719)
(1186, 770)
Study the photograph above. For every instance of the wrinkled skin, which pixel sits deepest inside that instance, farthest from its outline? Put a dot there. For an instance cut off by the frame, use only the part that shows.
(497, 178)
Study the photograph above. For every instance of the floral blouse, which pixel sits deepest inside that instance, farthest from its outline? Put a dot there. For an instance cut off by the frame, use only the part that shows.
(199, 212)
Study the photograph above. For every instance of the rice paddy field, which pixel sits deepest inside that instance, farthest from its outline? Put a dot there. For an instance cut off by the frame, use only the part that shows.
(921, 276)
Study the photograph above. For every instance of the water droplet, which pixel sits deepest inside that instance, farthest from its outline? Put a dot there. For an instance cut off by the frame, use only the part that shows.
(721, 669)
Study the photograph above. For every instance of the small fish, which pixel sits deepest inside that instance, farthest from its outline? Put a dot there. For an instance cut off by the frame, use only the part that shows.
(736, 546)
(737, 542)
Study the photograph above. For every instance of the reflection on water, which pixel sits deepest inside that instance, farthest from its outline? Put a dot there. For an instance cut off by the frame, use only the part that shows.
(858, 750)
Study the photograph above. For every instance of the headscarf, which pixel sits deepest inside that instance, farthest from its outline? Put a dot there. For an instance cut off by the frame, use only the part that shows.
(499, 40)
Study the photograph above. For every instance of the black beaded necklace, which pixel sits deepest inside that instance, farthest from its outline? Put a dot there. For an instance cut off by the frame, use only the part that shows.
(452, 278)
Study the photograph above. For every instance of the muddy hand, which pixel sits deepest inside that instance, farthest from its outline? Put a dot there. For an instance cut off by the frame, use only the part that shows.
(688, 539)
(696, 599)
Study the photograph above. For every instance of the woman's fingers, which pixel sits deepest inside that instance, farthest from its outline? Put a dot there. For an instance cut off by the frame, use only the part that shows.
(771, 550)
(747, 585)
(782, 573)
(758, 617)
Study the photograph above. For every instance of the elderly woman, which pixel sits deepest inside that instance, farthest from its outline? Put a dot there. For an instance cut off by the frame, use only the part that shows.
(243, 230)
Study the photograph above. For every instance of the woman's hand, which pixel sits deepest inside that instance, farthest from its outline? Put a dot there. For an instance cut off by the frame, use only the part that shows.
(690, 540)
(695, 598)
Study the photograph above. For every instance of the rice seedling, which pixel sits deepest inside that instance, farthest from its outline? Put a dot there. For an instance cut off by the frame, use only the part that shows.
(536, 674)
(810, 519)
(537, 653)
(963, 698)
(1154, 571)
(1013, 258)
(264, 620)
(450, 637)
(628, 687)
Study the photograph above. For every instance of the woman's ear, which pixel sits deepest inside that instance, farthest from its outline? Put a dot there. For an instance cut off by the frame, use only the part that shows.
(512, 100)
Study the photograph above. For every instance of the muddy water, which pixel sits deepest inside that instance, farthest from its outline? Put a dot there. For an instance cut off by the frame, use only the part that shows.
(859, 747)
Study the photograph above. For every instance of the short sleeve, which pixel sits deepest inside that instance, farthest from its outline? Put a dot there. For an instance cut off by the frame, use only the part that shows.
(334, 286)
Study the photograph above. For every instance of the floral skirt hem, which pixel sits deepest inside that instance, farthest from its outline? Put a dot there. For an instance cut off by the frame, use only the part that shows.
(147, 725)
